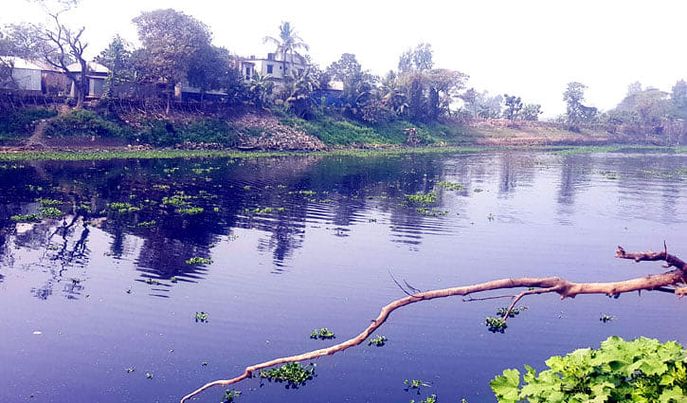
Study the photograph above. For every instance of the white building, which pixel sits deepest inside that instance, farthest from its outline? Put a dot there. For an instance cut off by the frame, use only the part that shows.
(97, 75)
(273, 66)
(25, 76)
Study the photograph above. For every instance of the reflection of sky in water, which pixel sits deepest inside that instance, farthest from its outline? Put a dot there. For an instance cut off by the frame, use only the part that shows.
(117, 292)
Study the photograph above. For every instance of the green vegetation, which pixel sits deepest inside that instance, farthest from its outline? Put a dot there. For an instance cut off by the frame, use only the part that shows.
(197, 260)
(231, 395)
(21, 122)
(322, 334)
(429, 399)
(123, 207)
(147, 224)
(641, 370)
(84, 123)
(192, 210)
(26, 217)
(50, 212)
(377, 341)
(416, 384)
(450, 185)
(421, 199)
(513, 313)
(496, 324)
(293, 373)
(431, 212)
(201, 317)
(48, 202)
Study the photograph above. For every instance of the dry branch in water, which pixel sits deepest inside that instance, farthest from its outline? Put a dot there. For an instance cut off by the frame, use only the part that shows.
(671, 281)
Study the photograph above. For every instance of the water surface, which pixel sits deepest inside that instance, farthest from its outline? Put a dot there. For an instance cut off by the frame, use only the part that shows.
(106, 288)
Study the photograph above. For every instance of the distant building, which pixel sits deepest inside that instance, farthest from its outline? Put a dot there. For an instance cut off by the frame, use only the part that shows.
(97, 76)
(273, 66)
(31, 77)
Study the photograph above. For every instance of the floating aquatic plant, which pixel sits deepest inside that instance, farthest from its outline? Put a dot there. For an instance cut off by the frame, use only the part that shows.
(322, 334)
(293, 373)
(450, 185)
(25, 218)
(231, 395)
(196, 260)
(201, 317)
(421, 199)
(377, 341)
(429, 399)
(496, 324)
(416, 384)
(193, 210)
(606, 318)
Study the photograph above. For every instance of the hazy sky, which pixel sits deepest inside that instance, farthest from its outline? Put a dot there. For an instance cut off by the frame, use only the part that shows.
(529, 48)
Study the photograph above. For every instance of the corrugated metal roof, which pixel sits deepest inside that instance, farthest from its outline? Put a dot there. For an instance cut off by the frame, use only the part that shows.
(19, 63)
(93, 67)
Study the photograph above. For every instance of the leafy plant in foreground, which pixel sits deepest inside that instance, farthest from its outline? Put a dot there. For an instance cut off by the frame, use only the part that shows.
(293, 373)
(641, 370)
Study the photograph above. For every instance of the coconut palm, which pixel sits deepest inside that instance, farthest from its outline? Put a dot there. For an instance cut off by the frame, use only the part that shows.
(288, 43)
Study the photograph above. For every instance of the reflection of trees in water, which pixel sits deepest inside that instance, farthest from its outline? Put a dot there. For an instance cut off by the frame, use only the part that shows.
(575, 172)
(63, 253)
(516, 169)
(334, 192)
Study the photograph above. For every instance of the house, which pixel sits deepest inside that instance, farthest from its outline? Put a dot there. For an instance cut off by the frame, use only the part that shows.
(97, 76)
(273, 66)
(31, 77)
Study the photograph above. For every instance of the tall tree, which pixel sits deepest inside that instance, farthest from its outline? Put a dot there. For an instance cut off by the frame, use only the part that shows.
(171, 39)
(418, 59)
(514, 106)
(287, 43)
(358, 84)
(576, 112)
(117, 58)
(56, 43)
(678, 98)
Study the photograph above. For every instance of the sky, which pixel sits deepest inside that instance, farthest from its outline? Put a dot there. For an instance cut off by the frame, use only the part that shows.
(529, 48)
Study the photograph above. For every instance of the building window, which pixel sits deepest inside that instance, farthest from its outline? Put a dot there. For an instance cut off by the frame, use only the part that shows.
(270, 56)
(247, 73)
(270, 69)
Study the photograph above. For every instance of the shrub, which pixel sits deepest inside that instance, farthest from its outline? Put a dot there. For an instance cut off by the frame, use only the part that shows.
(83, 123)
(642, 370)
(22, 122)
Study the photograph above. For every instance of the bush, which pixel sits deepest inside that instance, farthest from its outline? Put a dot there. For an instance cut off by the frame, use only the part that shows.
(168, 133)
(22, 122)
(84, 123)
(642, 370)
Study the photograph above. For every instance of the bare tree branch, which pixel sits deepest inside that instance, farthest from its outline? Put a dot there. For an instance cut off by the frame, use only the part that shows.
(542, 285)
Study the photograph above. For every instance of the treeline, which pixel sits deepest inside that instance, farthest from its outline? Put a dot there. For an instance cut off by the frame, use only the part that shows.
(178, 49)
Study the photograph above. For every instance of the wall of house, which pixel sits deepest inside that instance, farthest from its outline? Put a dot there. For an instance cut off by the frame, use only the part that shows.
(26, 79)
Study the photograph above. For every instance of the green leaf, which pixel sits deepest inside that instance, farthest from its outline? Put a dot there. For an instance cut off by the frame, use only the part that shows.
(506, 386)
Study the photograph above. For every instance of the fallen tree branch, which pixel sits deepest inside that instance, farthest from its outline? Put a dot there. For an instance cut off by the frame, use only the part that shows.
(566, 289)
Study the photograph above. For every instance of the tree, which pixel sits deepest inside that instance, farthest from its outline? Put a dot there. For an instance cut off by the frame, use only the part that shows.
(513, 107)
(678, 99)
(288, 43)
(576, 112)
(671, 281)
(117, 57)
(55, 43)
(418, 59)
(358, 85)
(171, 40)
(299, 92)
(259, 90)
(212, 69)
(531, 112)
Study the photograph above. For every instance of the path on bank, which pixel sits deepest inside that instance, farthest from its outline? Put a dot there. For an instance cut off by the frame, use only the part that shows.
(38, 136)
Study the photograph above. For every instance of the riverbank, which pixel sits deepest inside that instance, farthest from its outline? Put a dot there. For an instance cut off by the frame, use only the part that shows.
(129, 153)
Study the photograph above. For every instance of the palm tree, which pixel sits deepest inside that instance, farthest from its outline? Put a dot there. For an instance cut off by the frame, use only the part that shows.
(287, 43)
